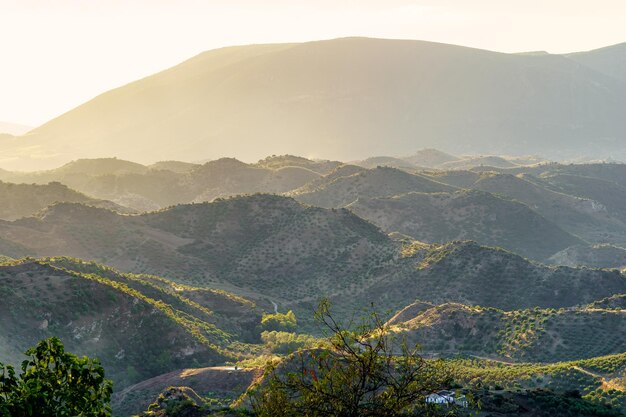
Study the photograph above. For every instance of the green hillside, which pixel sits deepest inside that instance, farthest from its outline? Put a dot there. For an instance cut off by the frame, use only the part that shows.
(609, 194)
(467, 273)
(467, 215)
(536, 335)
(339, 191)
(592, 256)
(276, 250)
(576, 212)
(259, 243)
(137, 328)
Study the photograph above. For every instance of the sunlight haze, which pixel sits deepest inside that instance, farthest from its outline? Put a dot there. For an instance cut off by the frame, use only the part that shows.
(57, 55)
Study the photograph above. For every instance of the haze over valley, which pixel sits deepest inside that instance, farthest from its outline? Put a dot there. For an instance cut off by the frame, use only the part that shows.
(239, 233)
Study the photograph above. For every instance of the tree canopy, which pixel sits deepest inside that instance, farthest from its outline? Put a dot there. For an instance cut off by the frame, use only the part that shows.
(54, 383)
(363, 372)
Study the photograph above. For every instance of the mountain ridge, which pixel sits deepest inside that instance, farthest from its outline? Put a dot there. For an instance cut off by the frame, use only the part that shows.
(324, 93)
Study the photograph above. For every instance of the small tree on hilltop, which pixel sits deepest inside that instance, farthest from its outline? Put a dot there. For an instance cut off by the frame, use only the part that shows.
(54, 383)
(279, 322)
(365, 372)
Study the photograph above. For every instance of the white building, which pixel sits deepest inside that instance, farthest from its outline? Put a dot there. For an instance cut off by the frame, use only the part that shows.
(447, 398)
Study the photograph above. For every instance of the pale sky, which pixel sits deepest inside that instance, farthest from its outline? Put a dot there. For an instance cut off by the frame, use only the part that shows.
(55, 55)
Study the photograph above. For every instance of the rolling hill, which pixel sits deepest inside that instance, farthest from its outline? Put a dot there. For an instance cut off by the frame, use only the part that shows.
(592, 256)
(467, 215)
(608, 193)
(336, 190)
(138, 326)
(223, 383)
(259, 242)
(524, 336)
(467, 273)
(168, 183)
(337, 99)
(24, 200)
(273, 249)
(386, 161)
(477, 161)
(430, 158)
(610, 60)
(582, 217)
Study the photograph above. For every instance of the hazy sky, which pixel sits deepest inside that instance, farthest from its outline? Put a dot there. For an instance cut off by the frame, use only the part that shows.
(54, 55)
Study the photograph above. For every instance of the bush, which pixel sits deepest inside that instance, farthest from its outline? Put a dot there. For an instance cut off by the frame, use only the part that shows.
(285, 342)
(279, 322)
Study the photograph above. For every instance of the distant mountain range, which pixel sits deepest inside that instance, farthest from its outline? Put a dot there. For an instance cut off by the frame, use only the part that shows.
(13, 129)
(347, 99)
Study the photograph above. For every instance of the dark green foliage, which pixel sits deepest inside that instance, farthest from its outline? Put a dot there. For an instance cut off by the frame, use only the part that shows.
(470, 215)
(285, 342)
(279, 321)
(569, 405)
(54, 383)
(362, 372)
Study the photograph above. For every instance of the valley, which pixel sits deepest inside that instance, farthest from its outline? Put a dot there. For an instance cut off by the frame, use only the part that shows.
(489, 264)
(346, 227)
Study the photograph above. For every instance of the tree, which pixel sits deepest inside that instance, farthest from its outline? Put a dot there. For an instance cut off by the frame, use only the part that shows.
(363, 372)
(279, 322)
(54, 383)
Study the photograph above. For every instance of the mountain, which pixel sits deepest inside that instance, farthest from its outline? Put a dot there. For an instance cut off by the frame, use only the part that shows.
(430, 158)
(228, 176)
(101, 166)
(24, 200)
(456, 178)
(467, 273)
(583, 217)
(610, 60)
(255, 244)
(338, 191)
(283, 161)
(609, 194)
(174, 166)
(138, 326)
(614, 302)
(168, 183)
(592, 256)
(337, 99)
(13, 129)
(385, 161)
(530, 335)
(470, 162)
(467, 215)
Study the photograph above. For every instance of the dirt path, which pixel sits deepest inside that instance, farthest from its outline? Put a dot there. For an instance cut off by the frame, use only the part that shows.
(607, 384)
